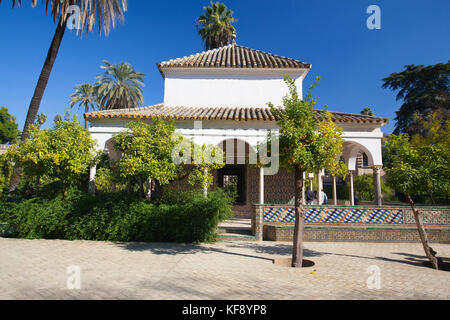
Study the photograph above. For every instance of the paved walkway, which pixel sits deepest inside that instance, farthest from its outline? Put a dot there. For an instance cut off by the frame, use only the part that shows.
(37, 269)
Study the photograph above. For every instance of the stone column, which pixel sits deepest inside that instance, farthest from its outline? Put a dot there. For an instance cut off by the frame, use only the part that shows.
(334, 191)
(319, 188)
(310, 178)
(261, 185)
(205, 184)
(377, 185)
(92, 173)
(257, 222)
(352, 192)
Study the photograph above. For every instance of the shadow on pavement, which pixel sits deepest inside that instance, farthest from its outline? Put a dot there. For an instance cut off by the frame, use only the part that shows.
(255, 248)
(259, 251)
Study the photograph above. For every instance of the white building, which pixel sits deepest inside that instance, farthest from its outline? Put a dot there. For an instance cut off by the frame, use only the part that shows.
(220, 97)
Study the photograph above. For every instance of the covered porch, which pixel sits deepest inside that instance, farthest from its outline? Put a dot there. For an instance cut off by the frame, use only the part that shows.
(255, 185)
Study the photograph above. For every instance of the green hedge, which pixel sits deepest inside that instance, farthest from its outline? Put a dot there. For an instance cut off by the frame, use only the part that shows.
(341, 191)
(117, 217)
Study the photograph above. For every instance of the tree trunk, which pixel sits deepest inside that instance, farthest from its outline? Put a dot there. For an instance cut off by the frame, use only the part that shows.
(38, 184)
(141, 187)
(297, 254)
(430, 253)
(86, 110)
(432, 199)
(39, 92)
(130, 185)
(148, 194)
(205, 183)
(303, 191)
(157, 190)
(64, 192)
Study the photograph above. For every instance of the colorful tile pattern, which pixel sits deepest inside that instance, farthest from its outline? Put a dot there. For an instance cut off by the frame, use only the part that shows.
(336, 215)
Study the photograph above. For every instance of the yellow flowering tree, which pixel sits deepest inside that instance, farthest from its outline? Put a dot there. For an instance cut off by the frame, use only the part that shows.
(205, 158)
(146, 152)
(309, 142)
(420, 166)
(63, 152)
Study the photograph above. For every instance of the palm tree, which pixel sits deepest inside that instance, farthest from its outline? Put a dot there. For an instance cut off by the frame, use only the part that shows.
(106, 12)
(120, 86)
(367, 112)
(215, 26)
(84, 95)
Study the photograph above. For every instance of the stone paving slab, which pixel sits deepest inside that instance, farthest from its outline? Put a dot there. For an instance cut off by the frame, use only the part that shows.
(37, 269)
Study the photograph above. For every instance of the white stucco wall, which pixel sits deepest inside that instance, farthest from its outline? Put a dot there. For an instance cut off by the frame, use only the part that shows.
(365, 137)
(227, 88)
(357, 136)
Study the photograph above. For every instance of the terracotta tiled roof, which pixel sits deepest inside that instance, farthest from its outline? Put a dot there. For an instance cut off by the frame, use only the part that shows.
(234, 56)
(214, 113)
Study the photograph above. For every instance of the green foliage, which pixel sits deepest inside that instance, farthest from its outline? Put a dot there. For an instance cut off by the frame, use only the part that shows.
(205, 159)
(40, 120)
(363, 186)
(63, 152)
(367, 112)
(9, 132)
(423, 89)
(215, 25)
(342, 191)
(147, 151)
(418, 168)
(5, 172)
(85, 96)
(105, 178)
(308, 142)
(117, 217)
(119, 87)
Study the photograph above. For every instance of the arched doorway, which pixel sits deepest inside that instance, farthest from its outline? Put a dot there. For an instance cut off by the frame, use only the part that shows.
(237, 174)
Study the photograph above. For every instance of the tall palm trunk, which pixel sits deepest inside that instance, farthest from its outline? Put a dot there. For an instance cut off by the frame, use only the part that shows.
(39, 92)
(297, 252)
(86, 110)
(430, 253)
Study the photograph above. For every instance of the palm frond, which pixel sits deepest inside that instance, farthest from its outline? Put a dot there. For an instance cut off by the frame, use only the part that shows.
(104, 12)
(120, 86)
(215, 25)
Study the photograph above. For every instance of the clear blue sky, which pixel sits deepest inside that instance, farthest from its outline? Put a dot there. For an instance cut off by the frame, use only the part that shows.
(331, 35)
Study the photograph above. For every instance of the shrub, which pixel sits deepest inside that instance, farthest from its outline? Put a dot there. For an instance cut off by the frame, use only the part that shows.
(105, 178)
(117, 217)
(36, 218)
(63, 152)
(5, 172)
(364, 187)
(342, 192)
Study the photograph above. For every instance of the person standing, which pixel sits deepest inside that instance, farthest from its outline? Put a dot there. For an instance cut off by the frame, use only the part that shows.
(324, 197)
(309, 197)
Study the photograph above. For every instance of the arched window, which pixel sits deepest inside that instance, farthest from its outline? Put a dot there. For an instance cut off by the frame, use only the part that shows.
(365, 160)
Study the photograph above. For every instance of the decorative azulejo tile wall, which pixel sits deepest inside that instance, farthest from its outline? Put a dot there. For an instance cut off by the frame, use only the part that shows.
(336, 215)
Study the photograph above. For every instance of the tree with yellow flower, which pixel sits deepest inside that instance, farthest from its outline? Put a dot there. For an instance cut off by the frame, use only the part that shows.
(63, 152)
(309, 141)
